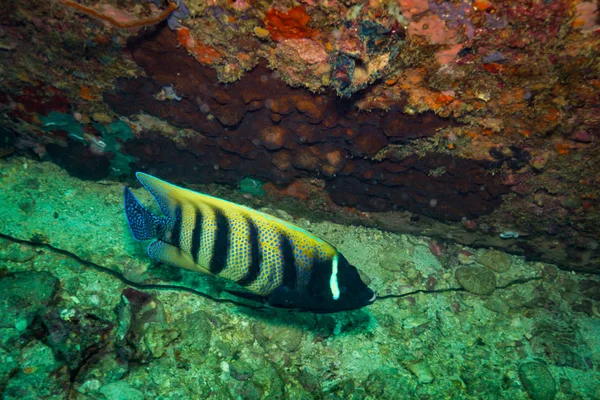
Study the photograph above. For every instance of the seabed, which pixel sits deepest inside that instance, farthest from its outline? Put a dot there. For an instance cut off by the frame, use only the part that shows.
(87, 315)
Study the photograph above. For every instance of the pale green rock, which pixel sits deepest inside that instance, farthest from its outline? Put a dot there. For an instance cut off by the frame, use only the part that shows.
(121, 390)
(537, 381)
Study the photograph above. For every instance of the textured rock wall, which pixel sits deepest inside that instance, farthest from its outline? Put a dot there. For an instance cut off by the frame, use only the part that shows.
(482, 115)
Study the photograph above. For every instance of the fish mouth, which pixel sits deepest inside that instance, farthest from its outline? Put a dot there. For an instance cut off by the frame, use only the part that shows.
(372, 299)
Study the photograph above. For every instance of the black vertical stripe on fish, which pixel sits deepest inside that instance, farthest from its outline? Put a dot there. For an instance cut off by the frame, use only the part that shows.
(176, 230)
(320, 272)
(255, 256)
(218, 261)
(289, 262)
(196, 234)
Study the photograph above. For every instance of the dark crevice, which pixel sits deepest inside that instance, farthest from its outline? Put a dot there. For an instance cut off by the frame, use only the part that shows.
(509, 284)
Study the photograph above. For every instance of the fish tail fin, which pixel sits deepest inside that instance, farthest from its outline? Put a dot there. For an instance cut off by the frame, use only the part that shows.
(143, 224)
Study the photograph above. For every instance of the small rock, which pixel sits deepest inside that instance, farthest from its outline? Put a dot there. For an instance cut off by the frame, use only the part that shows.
(495, 260)
(16, 253)
(583, 136)
(196, 333)
(572, 203)
(421, 370)
(509, 235)
(497, 305)
(158, 337)
(102, 118)
(537, 381)
(21, 325)
(539, 162)
(385, 383)
(414, 321)
(391, 262)
(465, 257)
(106, 368)
(476, 279)
(261, 32)
(287, 338)
(37, 355)
(240, 371)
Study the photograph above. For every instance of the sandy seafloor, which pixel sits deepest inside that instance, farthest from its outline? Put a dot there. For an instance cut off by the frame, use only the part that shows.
(71, 329)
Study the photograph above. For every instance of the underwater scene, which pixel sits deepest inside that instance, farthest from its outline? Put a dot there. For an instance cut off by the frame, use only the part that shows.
(300, 199)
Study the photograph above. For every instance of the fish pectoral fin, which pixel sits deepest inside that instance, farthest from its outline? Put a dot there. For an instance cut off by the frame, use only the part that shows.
(247, 295)
(167, 253)
(284, 297)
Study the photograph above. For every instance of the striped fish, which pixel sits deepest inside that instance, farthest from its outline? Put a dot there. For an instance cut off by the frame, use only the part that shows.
(271, 259)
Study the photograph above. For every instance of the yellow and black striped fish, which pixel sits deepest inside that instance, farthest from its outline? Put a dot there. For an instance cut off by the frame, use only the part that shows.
(284, 265)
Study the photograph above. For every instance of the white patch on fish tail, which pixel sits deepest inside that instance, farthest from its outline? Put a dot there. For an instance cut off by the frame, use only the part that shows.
(333, 281)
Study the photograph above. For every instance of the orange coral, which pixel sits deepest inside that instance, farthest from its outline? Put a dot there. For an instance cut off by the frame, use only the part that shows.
(298, 189)
(562, 148)
(85, 93)
(483, 5)
(495, 68)
(202, 53)
(290, 25)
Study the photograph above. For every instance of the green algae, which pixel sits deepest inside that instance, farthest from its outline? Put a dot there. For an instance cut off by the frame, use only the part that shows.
(251, 186)
(113, 136)
(60, 121)
(164, 343)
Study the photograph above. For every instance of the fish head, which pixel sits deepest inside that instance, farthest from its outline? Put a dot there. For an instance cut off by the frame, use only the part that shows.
(346, 290)
(336, 286)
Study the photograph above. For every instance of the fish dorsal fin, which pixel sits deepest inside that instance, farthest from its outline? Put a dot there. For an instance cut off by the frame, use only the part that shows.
(168, 196)
(159, 189)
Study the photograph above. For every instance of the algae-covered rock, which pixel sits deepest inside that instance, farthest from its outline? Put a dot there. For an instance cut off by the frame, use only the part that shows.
(495, 260)
(8, 366)
(392, 261)
(100, 370)
(387, 383)
(496, 304)
(40, 375)
(537, 381)
(266, 381)
(15, 252)
(476, 279)
(196, 333)
(246, 390)
(560, 343)
(140, 314)
(285, 337)
(121, 390)
(23, 295)
(158, 337)
(240, 370)
(421, 369)
(76, 337)
(346, 390)
(309, 381)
